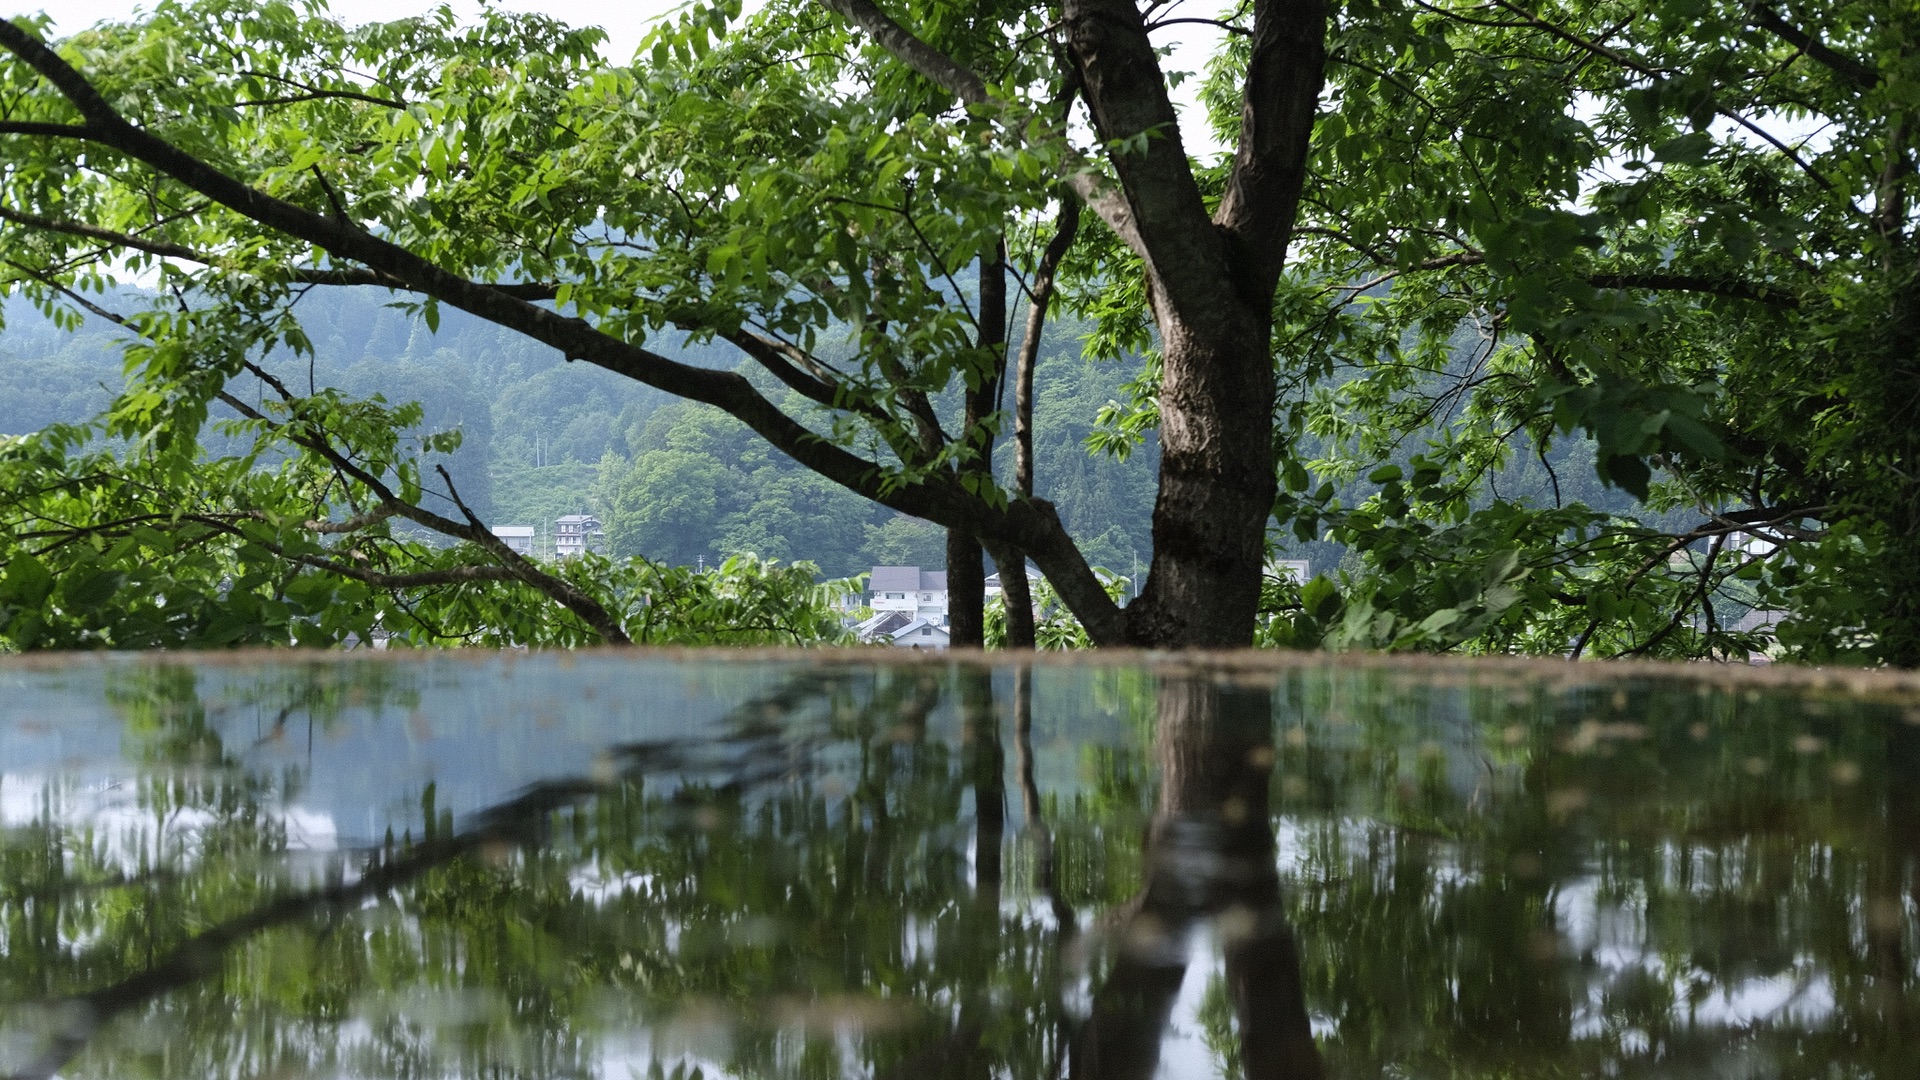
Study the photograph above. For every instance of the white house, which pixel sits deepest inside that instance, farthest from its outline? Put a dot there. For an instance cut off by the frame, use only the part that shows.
(1298, 569)
(577, 534)
(909, 590)
(517, 537)
(993, 582)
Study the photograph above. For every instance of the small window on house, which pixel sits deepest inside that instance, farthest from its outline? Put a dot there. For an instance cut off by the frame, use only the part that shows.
(926, 631)
(896, 596)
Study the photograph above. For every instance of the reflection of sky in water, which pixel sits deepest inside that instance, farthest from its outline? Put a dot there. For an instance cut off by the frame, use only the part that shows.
(482, 731)
(477, 729)
(111, 806)
(1614, 935)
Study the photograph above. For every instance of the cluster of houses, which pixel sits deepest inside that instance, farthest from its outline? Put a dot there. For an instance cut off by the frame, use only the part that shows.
(910, 604)
(573, 534)
(910, 607)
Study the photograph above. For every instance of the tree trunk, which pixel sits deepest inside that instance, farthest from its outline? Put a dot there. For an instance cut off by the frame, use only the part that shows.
(1015, 596)
(1895, 411)
(966, 591)
(966, 581)
(1216, 487)
(1211, 279)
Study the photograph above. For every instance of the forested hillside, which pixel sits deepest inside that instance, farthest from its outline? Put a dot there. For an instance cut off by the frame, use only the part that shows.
(673, 481)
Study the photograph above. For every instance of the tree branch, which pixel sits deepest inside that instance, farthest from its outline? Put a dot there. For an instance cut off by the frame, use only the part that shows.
(1277, 110)
(1848, 68)
(1065, 229)
(312, 92)
(341, 276)
(1731, 288)
(1728, 287)
(938, 67)
(1126, 94)
(51, 131)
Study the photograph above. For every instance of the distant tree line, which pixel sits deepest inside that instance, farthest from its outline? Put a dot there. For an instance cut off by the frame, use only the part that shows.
(673, 482)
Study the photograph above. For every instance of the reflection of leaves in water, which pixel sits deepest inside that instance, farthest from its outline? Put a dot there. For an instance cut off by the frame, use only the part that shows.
(750, 899)
(1218, 1030)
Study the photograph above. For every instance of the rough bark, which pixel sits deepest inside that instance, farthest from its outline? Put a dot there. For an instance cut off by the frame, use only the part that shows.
(1015, 596)
(966, 590)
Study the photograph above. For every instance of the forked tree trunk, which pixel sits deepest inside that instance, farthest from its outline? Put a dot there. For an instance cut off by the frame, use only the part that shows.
(1211, 276)
(1211, 280)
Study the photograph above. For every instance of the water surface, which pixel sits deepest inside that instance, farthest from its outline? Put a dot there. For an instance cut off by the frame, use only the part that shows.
(821, 866)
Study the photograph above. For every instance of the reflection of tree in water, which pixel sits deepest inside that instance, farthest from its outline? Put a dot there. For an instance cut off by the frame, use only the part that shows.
(1210, 854)
(112, 869)
(837, 886)
(1647, 879)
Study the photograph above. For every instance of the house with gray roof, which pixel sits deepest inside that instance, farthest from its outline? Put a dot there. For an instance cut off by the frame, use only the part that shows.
(910, 590)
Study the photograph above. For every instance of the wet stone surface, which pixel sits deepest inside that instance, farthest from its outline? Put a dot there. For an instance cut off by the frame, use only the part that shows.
(639, 866)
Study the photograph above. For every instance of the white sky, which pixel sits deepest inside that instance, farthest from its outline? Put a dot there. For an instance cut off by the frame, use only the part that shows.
(625, 21)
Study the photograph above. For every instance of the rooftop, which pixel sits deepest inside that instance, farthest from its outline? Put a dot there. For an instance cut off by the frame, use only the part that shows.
(907, 579)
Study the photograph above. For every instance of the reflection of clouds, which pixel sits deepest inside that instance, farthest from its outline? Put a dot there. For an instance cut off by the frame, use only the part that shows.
(1599, 920)
(597, 887)
(1607, 925)
(112, 815)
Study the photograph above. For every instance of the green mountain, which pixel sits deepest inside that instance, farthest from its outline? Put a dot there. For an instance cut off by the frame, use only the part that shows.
(674, 481)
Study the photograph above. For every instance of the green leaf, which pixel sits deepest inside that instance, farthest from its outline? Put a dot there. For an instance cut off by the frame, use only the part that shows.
(1320, 598)
(27, 582)
(85, 590)
(1689, 149)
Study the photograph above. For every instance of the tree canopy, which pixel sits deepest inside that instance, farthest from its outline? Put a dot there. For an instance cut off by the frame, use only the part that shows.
(1447, 243)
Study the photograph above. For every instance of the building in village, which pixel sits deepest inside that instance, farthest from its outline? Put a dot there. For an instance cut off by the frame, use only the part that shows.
(577, 534)
(910, 589)
(1298, 569)
(909, 608)
(517, 537)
